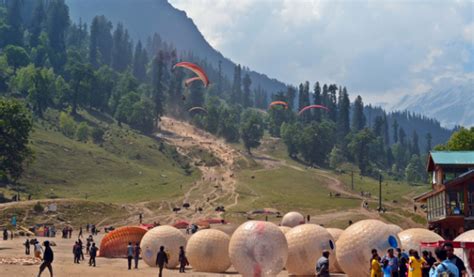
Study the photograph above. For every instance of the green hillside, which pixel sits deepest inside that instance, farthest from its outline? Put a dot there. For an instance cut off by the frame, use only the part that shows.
(125, 167)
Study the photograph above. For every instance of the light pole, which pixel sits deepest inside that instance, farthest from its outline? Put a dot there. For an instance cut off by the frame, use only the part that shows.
(380, 192)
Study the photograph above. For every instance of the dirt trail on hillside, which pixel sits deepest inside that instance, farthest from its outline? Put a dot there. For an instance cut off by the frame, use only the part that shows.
(217, 186)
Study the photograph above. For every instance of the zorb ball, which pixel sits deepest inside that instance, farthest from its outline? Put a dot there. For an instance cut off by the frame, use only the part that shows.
(305, 246)
(333, 265)
(258, 248)
(465, 237)
(208, 251)
(167, 236)
(284, 229)
(412, 238)
(356, 242)
(395, 228)
(292, 219)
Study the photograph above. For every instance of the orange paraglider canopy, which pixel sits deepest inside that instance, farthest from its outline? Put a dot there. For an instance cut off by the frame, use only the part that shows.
(190, 80)
(312, 107)
(114, 244)
(196, 69)
(281, 103)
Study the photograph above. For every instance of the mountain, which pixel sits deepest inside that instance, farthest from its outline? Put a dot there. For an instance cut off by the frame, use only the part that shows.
(143, 18)
(450, 104)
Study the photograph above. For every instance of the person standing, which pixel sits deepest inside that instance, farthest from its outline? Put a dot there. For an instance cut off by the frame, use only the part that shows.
(140, 218)
(392, 262)
(136, 254)
(448, 247)
(81, 246)
(38, 249)
(183, 261)
(27, 247)
(443, 265)
(5, 234)
(416, 264)
(161, 260)
(375, 267)
(48, 258)
(76, 250)
(80, 233)
(129, 255)
(70, 231)
(92, 255)
(387, 271)
(322, 266)
(425, 271)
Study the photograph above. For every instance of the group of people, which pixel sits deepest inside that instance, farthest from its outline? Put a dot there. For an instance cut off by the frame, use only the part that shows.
(67, 232)
(401, 264)
(163, 257)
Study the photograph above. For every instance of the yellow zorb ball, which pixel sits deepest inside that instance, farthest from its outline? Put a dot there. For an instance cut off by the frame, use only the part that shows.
(208, 251)
(356, 242)
(305, 246)
(167, 236)
(292, 219)
(258, 248)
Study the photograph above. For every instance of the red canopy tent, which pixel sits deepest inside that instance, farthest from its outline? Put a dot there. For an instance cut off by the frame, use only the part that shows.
(467, 247)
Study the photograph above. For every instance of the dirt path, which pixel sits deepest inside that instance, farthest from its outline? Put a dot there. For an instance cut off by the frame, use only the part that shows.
(217, 187)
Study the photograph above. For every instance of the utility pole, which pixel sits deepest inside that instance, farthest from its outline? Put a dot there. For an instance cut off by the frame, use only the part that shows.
(380, 192)
(352, 179)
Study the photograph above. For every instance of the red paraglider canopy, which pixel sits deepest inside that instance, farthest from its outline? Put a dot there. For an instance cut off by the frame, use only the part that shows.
(312, 107)
(282, 103)
(196, 69)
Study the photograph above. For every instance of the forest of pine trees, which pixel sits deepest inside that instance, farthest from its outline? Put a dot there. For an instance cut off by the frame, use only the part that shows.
(53, 63)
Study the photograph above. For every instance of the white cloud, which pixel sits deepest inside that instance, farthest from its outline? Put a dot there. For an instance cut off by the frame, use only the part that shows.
(428, 61)
(378, 49)
(469, 33)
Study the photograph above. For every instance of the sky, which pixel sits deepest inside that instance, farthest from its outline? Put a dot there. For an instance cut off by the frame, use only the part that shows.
(381, 50)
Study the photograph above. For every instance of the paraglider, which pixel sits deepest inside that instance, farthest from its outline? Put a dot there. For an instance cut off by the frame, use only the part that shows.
(201, 75)
(187, 82)
(197, 109)
(281, 103)
(312, 107)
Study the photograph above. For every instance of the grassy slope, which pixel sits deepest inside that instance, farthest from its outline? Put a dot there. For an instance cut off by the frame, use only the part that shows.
(286, 189)
(127, 167)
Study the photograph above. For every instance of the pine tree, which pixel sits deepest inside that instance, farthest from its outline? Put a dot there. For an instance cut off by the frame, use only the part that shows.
(303, 101)
(236, 96)
(343, 123)
(317, 101)
(101, 42)
(120, 49)
(332, 102)
(428, 138)
(402, 136)
(37, 23)
(247, 97)
(358, 118)
(386, 137)
(415, 145)
(395, 131)
(290, 96)
(140, 59)
(14, 20)
(57, 25)
(158, 89)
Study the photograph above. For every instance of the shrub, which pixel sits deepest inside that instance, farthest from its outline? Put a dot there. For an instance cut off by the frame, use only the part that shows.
(97, 135)
(67, 124)
(38, 207)
(82, 132)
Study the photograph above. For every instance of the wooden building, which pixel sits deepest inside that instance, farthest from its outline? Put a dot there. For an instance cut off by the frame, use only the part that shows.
(450, 203)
